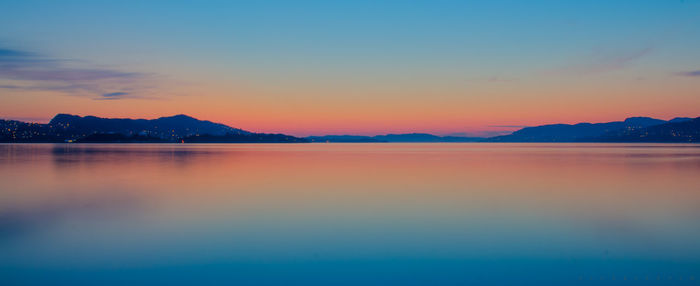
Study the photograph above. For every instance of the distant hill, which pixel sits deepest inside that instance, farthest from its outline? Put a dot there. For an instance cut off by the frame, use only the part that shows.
(343, 139)
(178, 126)
(183, 128)
(422, 137)
(91, 129)
(18, 131)
(244, 138)
(410, 137)
(687, 130)
(581, 132)
(680, 119)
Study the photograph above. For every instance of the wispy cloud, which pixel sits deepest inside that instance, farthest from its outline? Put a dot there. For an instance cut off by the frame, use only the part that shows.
(30, 71)
(689, 73)
(45, 73)
(602, 62)
(13, 53)
(113, 96)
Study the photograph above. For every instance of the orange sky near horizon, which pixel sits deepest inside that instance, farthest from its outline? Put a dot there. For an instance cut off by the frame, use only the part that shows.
(356, 67)
(368, 110)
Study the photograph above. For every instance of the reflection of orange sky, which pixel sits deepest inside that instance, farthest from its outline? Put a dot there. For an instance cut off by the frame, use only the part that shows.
(594, 191)
(370, 109)
(611, 180)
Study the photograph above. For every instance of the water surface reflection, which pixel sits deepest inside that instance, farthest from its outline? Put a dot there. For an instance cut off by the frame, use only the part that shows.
(349, 213)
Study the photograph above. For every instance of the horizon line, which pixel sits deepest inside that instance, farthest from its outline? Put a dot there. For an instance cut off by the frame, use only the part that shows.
(485, 133)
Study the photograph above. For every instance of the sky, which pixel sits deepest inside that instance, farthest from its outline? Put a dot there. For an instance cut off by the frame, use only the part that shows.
(361, 67)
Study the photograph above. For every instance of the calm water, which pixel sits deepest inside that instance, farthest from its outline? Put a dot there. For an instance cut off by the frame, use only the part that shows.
(350, 214)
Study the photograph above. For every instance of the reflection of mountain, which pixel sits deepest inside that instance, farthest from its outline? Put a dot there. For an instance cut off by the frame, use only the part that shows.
(91, 129)
(119, 138)
(67, 156)
(619, 131)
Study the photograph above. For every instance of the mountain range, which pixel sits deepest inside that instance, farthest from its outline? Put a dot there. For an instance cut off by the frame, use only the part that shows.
(164, 127)
(677, 130)
(91, 129)
(633, 129)
(410, 137)
(183, 128)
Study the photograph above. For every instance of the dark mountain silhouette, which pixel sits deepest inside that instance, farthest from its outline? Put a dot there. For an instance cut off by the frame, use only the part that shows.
(182, 128)
(343, 139)
(581, 132)
(680, 119)
(170, 128)
(422, 137)
(673, 131)
(410, 137)
(244, 138)
(17, 131)
(91, 129)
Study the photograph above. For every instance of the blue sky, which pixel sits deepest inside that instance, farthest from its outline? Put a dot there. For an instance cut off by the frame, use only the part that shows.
(440, 54)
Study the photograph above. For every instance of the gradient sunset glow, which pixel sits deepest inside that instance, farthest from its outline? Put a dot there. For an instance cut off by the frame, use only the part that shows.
(360, 67)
